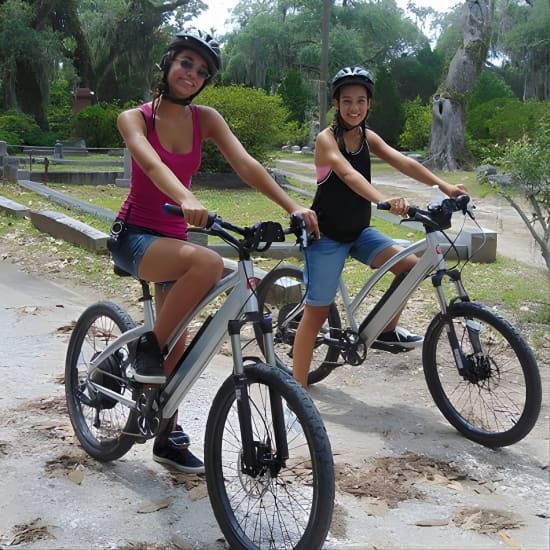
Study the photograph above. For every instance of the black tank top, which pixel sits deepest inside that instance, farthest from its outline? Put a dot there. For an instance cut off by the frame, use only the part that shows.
(341, 212)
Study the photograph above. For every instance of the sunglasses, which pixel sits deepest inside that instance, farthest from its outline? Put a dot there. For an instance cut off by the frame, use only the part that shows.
(188, 65)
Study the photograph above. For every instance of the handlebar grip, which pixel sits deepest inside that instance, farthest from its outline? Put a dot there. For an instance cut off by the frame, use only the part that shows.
(383, 205)
(174, 210)
(298, 227)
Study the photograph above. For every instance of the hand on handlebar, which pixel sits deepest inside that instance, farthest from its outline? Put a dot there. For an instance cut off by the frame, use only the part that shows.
(310, 219)
(398, 206)
(194, 212)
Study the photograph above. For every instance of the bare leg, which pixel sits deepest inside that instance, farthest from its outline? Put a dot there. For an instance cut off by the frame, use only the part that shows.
(406, 264)
(304, 342)
(195, 270)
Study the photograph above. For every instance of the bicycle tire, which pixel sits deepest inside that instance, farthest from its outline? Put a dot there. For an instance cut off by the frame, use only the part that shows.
(290, 510)
(495, 401)
(278, 303)
(101, 429)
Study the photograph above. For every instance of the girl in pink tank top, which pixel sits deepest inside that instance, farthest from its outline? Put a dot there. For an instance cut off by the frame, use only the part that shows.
(165, 138)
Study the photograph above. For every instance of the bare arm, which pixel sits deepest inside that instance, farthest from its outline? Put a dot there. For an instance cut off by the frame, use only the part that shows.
(327, 153)
(248, 168)
(409, 166)
(132, 128)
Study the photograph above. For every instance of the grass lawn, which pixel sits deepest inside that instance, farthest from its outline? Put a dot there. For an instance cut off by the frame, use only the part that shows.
(519, 288)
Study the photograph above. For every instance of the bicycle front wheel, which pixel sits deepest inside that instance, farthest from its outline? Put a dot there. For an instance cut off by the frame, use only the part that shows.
(494, 396)
(275, 509)
(281, 294)
(101, 423)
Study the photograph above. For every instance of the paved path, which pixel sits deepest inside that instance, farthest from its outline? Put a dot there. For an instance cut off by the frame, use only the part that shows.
(378, 414)
(494, 213)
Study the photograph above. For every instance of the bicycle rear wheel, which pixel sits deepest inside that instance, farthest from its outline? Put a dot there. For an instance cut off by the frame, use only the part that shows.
(101, 423)
(279, 294)
(495, 397)
(290, 508)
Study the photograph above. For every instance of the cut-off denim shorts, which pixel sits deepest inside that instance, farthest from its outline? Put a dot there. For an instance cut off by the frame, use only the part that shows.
(325, 258)
(130, 251)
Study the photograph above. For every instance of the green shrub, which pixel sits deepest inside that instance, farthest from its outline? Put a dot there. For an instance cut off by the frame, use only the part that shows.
(97, 125)
(257, 119)
(418, 123)
(501, 119)
(20, 129)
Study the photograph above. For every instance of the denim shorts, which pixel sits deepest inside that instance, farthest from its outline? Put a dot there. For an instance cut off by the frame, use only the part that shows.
(325, 258)
(131, 249)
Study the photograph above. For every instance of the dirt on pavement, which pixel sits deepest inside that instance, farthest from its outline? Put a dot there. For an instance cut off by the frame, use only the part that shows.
(405, 478)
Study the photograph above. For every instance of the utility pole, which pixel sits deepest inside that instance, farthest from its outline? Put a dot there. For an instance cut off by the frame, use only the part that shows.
(323, 72)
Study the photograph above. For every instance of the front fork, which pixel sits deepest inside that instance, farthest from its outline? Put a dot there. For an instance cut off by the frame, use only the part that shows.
(473, 330)
(257, 456)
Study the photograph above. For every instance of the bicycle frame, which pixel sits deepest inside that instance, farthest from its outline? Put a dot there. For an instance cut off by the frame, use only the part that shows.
(240, 304)
(431, 260)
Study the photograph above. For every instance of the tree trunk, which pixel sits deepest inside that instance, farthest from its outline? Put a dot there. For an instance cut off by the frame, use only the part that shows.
(447, 146)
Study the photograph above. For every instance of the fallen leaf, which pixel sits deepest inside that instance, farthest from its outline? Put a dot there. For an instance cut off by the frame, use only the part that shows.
(31, 532)
(509, 540)
(197, 493)
(375, 506)
(153, 506)
(77, 475)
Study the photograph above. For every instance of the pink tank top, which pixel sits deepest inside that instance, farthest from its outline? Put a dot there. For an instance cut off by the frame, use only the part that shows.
(143, 206)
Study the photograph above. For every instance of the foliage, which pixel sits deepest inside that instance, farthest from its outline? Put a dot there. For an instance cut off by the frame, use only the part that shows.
(523, 40)
(418, 74)
(61, 118)
(418, 121)
(257, 119)
(527, 161)
(295, 95)
(97, 125)
(19, 128)
(386, 116)
(501, 119)
(27, 60)
(489, 86)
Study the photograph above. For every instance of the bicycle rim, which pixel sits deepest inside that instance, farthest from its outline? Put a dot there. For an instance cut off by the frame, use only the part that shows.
(292, 509)
(495, 399)
(100, 423)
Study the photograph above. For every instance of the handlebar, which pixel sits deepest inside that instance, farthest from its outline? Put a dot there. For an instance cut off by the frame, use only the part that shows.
(258, 238)
(438, 215)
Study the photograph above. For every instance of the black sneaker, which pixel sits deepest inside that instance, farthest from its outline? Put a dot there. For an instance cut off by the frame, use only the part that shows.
(148, 364)
(398, 340)
(176, 453)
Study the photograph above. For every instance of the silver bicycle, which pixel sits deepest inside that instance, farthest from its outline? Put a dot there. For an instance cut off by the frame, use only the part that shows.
(268, 460)
(481, 373)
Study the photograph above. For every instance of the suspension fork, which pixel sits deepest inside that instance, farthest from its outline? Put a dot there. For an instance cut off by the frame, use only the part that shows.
(256, 455)
(437, 279)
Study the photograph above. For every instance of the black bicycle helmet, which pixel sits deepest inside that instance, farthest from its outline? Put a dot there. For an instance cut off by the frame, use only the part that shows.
(201, 42)
(352, 75)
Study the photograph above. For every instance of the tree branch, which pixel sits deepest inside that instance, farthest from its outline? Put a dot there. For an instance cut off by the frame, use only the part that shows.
(527, 222)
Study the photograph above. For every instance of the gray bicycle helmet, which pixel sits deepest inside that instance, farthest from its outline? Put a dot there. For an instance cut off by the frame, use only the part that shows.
(352, 75)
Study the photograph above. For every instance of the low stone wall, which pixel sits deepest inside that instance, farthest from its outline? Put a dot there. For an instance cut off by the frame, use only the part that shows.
(77, 178)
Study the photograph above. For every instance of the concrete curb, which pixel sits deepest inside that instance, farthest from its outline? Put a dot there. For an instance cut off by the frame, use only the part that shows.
(14, 208)
(60, 226)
